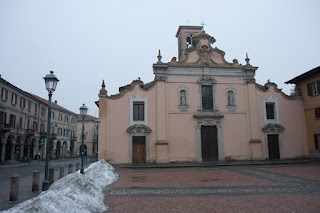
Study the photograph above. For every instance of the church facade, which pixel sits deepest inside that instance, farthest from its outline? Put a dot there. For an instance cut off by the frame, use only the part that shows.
(200, 108)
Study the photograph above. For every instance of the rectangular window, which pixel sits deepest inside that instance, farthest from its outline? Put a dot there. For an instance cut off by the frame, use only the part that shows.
(72, 133)
(59, 131)
(270, 110)
(52, 130)
(317, 141)
(52, 115)
(14, 99)
(12, 121)
(65, 132)
(138, 111)
(313, 88)
(20, 122)
(35, 126)
(43, 110)
(22, 102)
(4, 94)
(66, 118)
(207, 97)
(4, 117)
(60, 117)
(29, 105)
(35, 109)
(317, 112)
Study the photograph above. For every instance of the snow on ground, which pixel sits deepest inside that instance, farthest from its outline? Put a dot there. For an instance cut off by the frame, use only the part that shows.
(73, 193)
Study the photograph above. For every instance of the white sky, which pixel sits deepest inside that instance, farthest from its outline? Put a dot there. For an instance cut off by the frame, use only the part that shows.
(86, 41)
(73, 193)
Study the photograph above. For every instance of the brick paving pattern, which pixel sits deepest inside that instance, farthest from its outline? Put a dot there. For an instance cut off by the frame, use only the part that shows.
(284, 188)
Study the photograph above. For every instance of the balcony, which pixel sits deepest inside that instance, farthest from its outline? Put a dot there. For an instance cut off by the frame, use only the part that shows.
(30, 132)
(43, 134)
(53, 136)
(4, 128)
(73, 138)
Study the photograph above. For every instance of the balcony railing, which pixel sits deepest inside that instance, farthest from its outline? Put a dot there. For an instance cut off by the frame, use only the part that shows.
(73, 138)
(4, 127)
(30, 132)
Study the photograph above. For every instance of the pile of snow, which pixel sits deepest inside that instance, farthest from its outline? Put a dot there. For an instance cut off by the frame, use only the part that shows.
(74, 192)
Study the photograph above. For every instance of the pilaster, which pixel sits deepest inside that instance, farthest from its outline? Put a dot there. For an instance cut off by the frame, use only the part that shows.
(103, 101)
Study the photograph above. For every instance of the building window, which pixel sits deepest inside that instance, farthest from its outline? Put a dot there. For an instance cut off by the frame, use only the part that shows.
(60, 117)
(43, 110)
(138, 111)
(41, 127)
(72, 133)
(4, 117)
(21, 121)
(52, 115)
(66, 118)
(28, 124)
(29, 105)
(65, 132)
(35, 126)
(14, 99)
(4, 94)
(317, 112)
(22, 102)
(317, 141)
(73, 120)
(313, 88)
(270, 111)
(12, 121)
(52, 130)
(59, 131)
(35, 109)
(207, 97)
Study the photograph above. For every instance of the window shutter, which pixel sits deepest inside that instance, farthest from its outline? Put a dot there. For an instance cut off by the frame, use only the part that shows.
(309, 87)
(316, 144)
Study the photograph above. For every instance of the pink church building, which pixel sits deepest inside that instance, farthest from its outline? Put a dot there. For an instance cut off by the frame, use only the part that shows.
(200, 108)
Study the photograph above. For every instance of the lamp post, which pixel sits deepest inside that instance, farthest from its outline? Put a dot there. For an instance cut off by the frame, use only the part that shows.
(83, 112)
(51, 82)
(97, 124)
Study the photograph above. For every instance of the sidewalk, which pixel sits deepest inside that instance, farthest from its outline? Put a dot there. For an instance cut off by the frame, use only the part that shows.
(216, 164)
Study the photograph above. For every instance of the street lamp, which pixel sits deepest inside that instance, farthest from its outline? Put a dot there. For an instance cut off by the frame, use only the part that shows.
(51, 83)
(97, 124)
(83, 112)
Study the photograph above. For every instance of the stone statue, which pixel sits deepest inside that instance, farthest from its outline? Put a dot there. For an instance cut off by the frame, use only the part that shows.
(230, 98)
(183, 100)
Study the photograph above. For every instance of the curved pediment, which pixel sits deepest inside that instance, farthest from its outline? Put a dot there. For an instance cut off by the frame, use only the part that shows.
(273, 128)
(207, 80)
(269, 85)
(138, 129)
(202, 53)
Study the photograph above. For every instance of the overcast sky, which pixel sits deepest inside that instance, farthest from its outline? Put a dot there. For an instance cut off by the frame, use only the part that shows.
(84, 41)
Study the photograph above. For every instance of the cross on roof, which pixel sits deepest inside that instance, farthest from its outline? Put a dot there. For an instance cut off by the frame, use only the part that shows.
(188, 21)
(202, 23)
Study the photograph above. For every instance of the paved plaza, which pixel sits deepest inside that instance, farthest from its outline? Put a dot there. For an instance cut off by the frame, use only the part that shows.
(245, 188)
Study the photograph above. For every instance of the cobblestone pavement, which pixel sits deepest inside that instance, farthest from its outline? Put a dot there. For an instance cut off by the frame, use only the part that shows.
(272, 188)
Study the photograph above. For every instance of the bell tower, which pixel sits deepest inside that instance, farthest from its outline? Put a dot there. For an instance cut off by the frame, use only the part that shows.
(185, 35)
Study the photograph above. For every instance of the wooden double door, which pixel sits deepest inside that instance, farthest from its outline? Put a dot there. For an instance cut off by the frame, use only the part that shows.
(138, 149)
(209, 143)
(273, 147)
